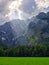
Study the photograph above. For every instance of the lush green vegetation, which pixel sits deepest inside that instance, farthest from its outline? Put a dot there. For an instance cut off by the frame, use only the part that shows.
(25, 51)
(23, 61)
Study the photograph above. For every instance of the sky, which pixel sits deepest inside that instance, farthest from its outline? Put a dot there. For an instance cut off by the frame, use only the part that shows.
(21, 9)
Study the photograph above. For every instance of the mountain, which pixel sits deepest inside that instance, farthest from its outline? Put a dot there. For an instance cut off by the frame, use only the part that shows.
(38, 29)
(6, 34)
(29, 32)
(19, 27)
(12, 33)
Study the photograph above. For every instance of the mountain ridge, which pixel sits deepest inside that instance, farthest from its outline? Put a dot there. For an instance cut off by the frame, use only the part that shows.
(19, 32)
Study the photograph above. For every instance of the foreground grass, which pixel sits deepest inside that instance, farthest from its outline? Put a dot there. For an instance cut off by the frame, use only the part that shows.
(23, 61)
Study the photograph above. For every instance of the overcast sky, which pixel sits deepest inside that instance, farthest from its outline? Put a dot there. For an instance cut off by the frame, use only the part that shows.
(21, 9)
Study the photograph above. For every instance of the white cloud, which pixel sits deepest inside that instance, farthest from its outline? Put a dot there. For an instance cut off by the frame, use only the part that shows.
(24, 8)
(4, 10)
(21, 9)
(42, 3)
(14, 9)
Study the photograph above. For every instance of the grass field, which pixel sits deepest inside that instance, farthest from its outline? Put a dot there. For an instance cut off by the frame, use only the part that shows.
(23, 61)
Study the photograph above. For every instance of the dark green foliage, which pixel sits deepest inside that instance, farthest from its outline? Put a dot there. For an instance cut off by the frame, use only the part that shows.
(25, 51)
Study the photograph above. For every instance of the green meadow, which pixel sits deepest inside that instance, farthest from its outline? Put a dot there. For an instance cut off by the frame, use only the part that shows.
(24, 61)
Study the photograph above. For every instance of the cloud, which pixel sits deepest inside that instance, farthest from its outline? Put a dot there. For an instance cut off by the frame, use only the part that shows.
(13, 8)
(21, 9)
(4, 10)
(24, 8)
(28, 6)
(42, 3)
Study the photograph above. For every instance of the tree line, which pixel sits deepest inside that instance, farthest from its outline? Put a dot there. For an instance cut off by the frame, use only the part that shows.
(25, 51)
